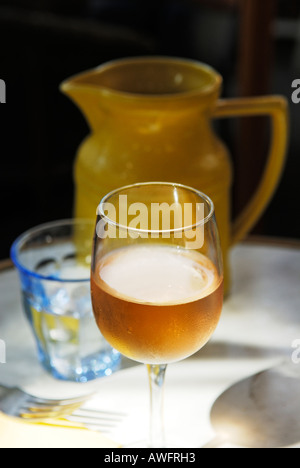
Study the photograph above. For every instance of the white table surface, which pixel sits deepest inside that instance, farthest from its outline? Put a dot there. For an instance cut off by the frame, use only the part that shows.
(260, 321)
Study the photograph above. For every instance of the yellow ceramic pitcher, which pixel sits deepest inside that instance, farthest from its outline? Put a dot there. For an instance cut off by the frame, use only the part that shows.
(150, 120)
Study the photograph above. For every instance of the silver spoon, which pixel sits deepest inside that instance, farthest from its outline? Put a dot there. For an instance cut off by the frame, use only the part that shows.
(262, 411)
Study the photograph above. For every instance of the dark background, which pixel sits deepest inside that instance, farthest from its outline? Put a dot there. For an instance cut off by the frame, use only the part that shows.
(254, 44)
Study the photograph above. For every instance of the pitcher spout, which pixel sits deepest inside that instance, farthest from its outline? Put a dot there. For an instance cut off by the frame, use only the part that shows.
(84, 91)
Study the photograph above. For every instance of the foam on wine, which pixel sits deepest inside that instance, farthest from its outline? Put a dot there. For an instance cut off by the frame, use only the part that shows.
(158, 275)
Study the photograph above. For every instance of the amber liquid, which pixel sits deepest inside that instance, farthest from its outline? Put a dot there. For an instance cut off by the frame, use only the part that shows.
(156, 304)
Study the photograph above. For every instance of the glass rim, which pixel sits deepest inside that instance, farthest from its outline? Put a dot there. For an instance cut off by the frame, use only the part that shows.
(201, 195)
(23, 238)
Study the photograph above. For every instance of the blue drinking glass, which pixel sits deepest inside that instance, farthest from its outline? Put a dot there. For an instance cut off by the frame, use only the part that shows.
(54, 262)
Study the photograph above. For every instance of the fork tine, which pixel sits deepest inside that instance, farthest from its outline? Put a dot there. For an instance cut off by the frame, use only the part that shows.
(38, 406)
(96, 419)
(67, 402)
(89, 422)
(49, 409)
(87, 418)
(102, 422)
(40, 417)
(100, 413)
(82, 421)
(46, 412)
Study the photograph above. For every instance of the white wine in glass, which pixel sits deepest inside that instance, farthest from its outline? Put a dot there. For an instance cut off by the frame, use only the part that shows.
(157, 296)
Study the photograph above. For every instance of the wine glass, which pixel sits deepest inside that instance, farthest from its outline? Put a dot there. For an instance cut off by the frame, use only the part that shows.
(157, 279)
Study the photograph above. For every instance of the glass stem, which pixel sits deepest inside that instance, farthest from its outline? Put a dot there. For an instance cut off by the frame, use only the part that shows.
(157, 379)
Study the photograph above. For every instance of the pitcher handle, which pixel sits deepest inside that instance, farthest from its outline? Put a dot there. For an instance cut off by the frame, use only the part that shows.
(277, 108)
